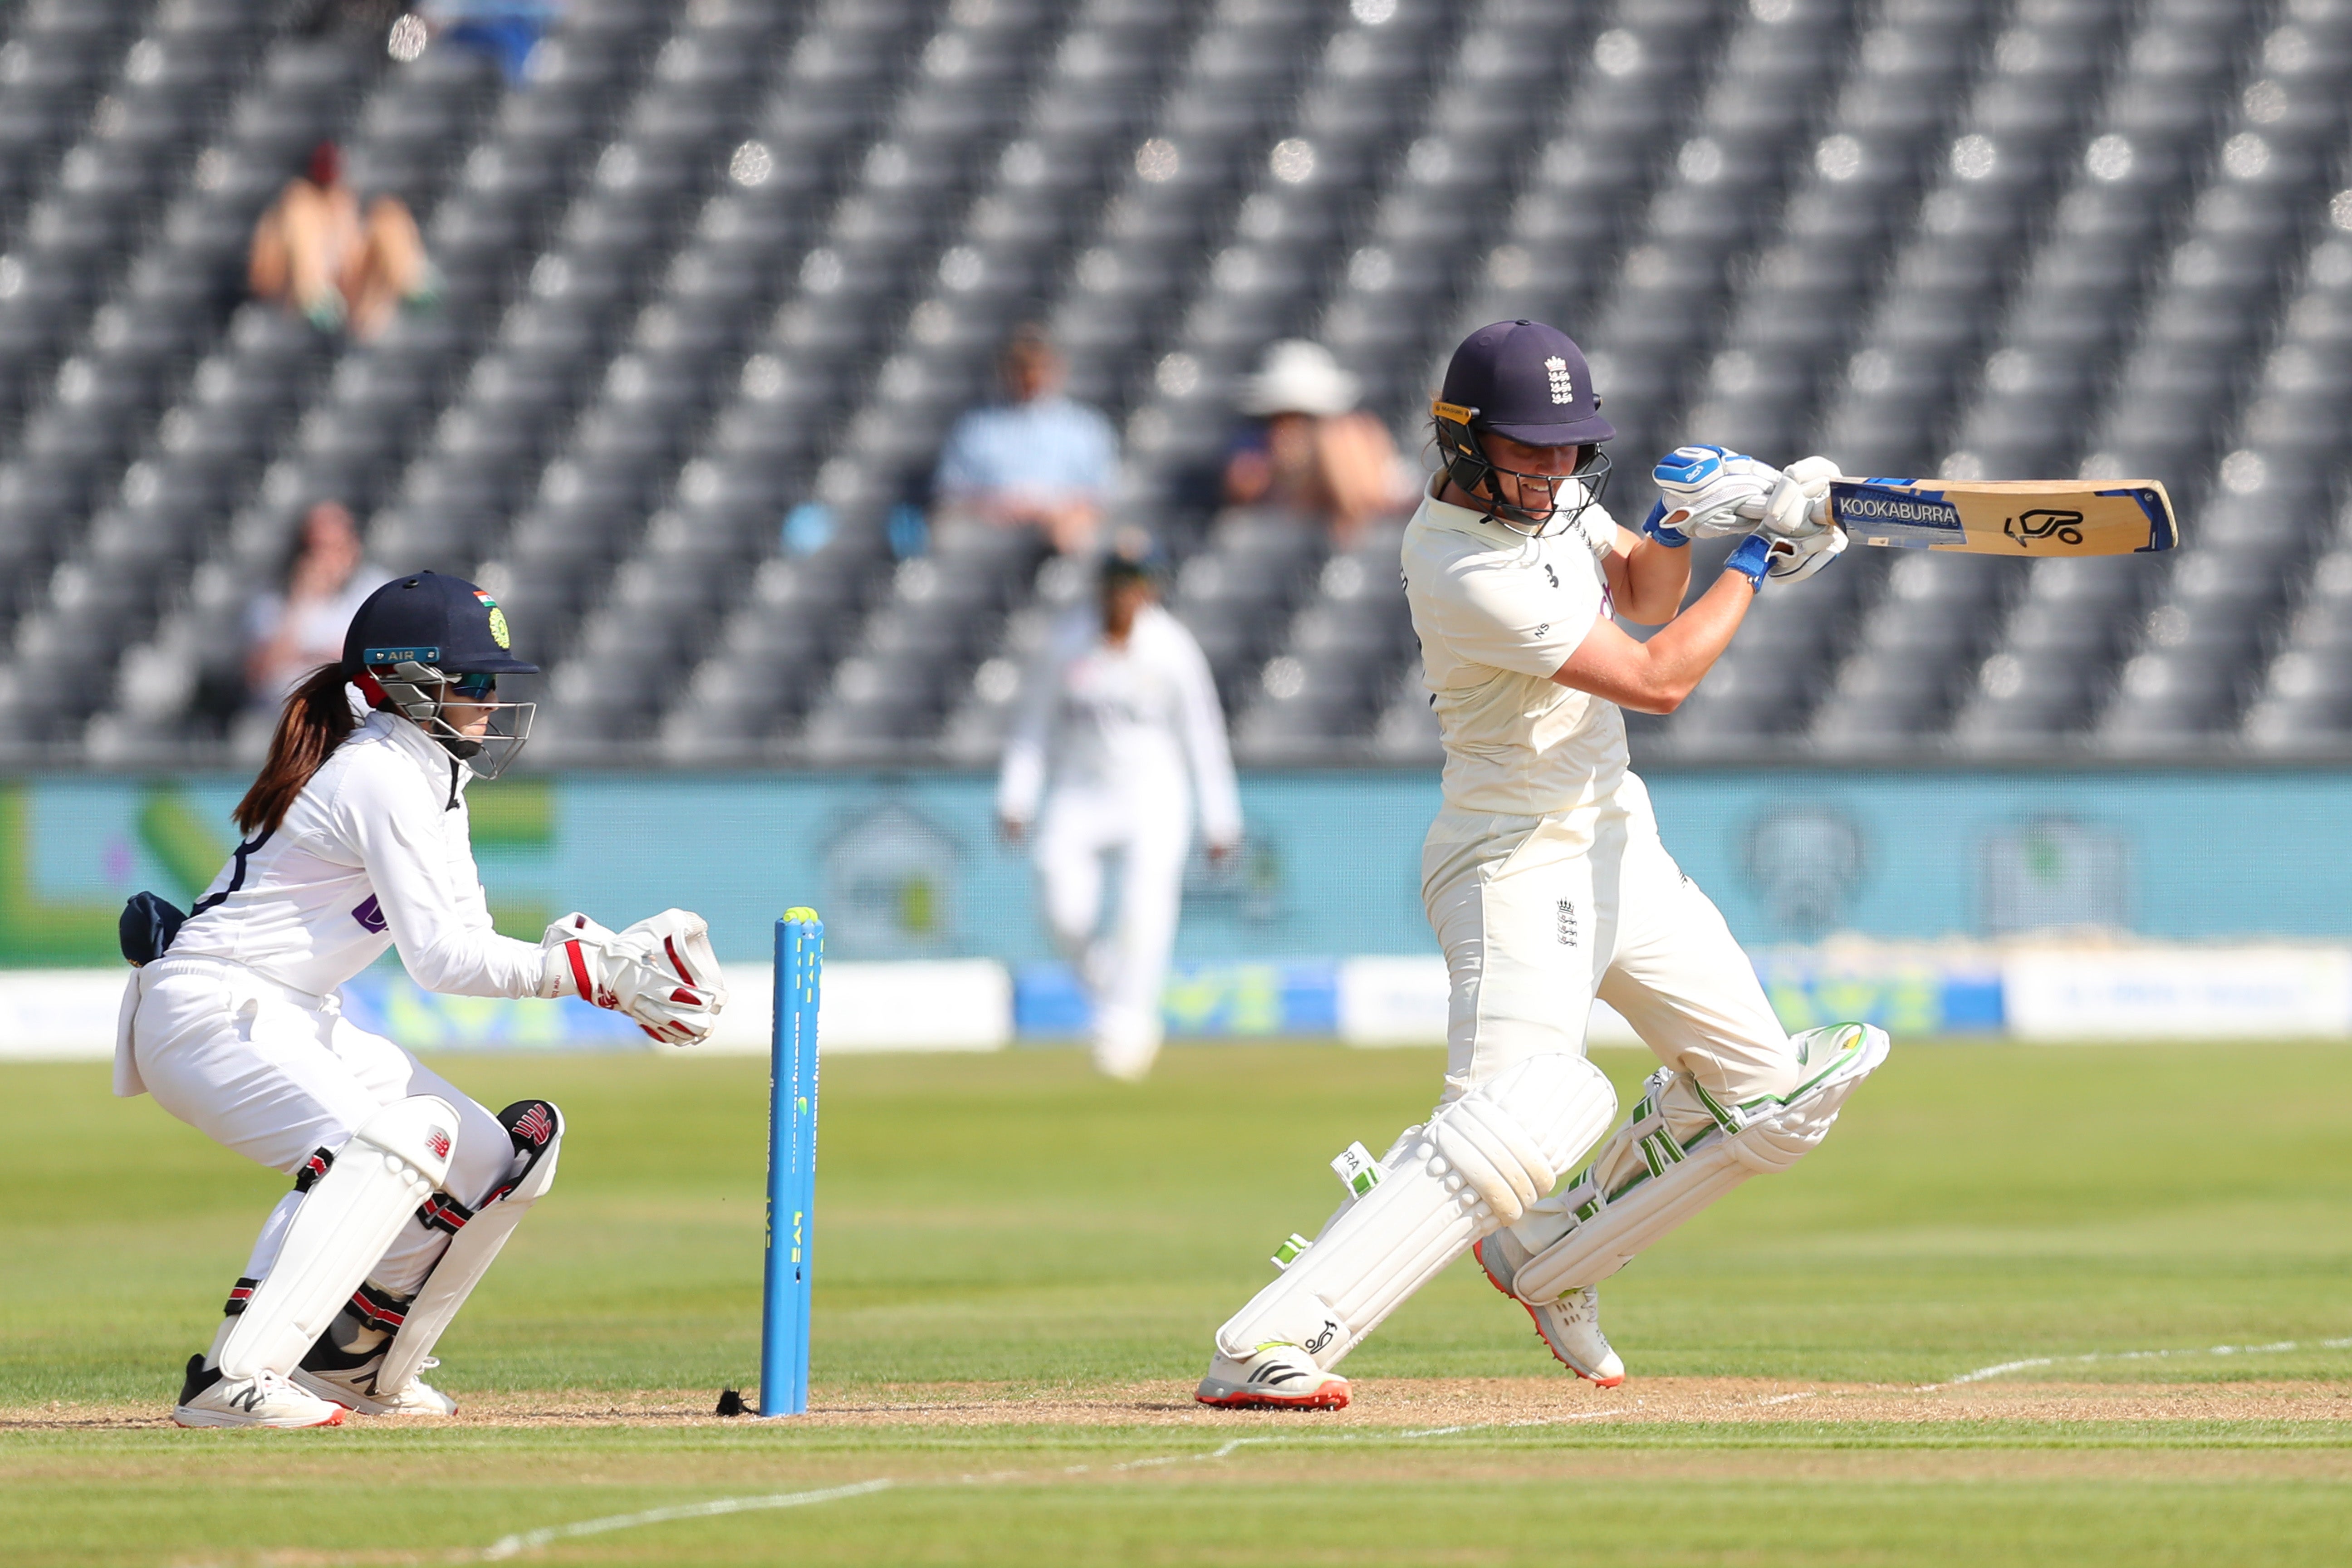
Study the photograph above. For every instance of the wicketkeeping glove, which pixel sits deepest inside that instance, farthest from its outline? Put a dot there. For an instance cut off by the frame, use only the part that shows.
(1710, 490)
(661, 972)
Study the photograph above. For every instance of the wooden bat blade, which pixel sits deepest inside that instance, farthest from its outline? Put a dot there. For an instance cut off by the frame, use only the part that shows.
(2008, 517)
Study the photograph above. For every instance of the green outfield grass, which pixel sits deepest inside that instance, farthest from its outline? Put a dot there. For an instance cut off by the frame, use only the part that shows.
(1014, 1222)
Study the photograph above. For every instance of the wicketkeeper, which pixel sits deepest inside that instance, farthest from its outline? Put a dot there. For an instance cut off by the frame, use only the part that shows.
(404, 1189)
(1546, 886)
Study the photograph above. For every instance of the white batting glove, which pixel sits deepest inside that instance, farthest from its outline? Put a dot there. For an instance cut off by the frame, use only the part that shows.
(1712, 490)
(1766, 557)
(1800, 505)
(1794, 559)
(1814, 474)
(661, 972)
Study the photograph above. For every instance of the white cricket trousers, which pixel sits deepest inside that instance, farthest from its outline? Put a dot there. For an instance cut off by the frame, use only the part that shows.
(1537, 915)
(1125, 971)
(273, 1073)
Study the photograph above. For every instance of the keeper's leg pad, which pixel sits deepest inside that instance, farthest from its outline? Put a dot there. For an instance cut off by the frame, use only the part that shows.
(1681, 1150)
(1477, 1164)
(537, 1129)
(352, 1211)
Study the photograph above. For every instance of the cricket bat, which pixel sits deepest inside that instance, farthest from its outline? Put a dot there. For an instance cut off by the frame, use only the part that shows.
(2008, 517)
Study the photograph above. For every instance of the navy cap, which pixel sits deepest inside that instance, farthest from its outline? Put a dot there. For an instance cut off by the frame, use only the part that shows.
(1529, 382)
(445, 622)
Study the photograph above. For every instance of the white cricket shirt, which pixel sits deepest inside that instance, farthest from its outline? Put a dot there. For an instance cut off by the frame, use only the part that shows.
(376, 850)
(1497, 614)
(1134, 721)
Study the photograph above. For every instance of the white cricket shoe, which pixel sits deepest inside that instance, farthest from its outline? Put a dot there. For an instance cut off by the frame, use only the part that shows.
(1277, 1377)
(265, 1399)
(1569, 1326)
(1125, 1048)
(354, 1389)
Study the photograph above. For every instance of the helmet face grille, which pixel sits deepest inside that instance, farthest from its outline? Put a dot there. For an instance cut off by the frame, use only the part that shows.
(1479, 477)
(419, 692)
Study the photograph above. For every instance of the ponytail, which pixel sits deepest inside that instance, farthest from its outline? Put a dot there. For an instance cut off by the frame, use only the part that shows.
(316, 719)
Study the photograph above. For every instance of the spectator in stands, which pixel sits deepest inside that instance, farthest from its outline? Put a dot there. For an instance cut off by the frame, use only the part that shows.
(505, 30)
(1309, 450)
(1036, 460)
(355, 18)
(293, 633)
(314, 251)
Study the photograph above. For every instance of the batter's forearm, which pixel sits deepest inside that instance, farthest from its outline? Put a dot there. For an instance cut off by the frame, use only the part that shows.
(1684, 650)
(1654, 677)
(1696, 638)
(1656, 578)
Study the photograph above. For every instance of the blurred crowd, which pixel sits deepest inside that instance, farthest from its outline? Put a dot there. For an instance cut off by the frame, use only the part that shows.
(1303, 452)
(299, 625)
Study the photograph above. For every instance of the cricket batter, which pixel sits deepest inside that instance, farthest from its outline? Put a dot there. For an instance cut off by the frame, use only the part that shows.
(404, 1189)
(1120, 734)
(1546, 886)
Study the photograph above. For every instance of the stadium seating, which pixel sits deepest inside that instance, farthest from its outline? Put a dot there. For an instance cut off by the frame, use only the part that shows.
(714, 279)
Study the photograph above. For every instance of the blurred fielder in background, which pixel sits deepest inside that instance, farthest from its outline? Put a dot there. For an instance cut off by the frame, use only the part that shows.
(1117, 738)
(404, 1189)
(1546, 883)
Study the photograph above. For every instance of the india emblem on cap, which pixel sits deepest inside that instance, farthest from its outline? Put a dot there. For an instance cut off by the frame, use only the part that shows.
(498, 620)
(1563, 385)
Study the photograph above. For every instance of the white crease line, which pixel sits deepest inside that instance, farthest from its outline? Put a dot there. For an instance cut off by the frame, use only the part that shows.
(1785, 1398)
(1983, 1373)
(531, 1541)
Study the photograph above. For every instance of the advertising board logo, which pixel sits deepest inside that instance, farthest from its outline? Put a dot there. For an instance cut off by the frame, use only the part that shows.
(2054, 873)
(1805, 863)
(2045, 523)
(893, 877)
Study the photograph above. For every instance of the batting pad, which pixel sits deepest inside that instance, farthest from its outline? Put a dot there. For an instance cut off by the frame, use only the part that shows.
(1649, 1178)
(537, 1129)
(1477, 1164)
(350, 1216)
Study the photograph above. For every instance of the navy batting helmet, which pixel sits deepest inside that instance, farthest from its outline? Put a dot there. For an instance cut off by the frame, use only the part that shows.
(1529, 382)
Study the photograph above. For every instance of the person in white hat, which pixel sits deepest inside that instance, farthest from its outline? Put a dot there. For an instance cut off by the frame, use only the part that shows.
(1309, 450)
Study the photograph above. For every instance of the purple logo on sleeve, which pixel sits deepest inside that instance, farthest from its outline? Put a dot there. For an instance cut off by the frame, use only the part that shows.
(371, 915)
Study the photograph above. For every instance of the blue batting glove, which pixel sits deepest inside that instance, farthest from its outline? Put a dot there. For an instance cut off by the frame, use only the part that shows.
(1655, 527)
(1690, 466)
(1752, 559)
(1712, 490)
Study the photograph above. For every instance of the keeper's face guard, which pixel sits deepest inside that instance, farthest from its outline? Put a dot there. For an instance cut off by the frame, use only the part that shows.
(423, 693)
(1547, 503)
